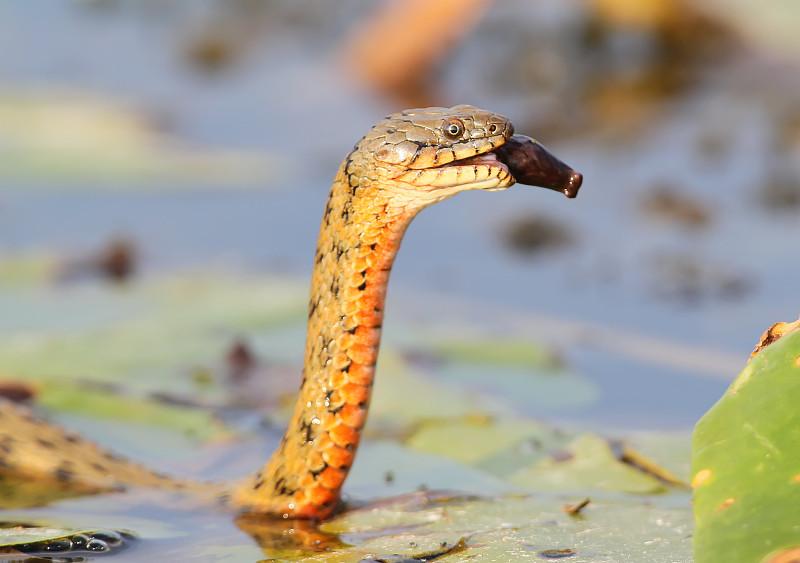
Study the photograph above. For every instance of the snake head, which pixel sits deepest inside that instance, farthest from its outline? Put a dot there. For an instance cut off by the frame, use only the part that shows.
(433, 153)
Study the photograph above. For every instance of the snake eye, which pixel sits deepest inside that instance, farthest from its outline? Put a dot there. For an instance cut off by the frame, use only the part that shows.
(453, 129)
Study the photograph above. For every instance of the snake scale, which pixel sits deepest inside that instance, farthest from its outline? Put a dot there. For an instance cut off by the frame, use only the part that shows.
(405, 163)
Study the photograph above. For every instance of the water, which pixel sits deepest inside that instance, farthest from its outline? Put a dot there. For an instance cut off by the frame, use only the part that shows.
(719, 134)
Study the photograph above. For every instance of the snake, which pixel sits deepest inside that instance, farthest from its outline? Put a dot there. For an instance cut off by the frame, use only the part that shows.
(405, 163)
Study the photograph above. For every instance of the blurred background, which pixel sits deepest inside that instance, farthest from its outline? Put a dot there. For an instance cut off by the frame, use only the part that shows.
(143, 137)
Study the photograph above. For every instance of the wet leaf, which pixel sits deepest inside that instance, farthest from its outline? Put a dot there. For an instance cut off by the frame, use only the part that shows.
(51, 541)
(746, 463)
(516, 529)
(498, 446)
(588, 462)
(99, 353)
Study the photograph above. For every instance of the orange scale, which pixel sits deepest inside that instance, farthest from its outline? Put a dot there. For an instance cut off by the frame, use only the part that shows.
(343, 435)
(361, 353)
(336, 380)
(322, 493)
(330, 479)
(340, 360)
(370, 260)
(313, 505)
(349, 307)
(353, 415)
(306, 480)
(300, 498)
(324, 441)
(337, 457)
(354, 394)
(328, 420)
(344, 341)
(366, 319)
(349, 293)
(359, 263)
(314, 461)
(360, 375)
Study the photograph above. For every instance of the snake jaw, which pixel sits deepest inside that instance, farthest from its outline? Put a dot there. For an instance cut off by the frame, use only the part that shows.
(484, 171)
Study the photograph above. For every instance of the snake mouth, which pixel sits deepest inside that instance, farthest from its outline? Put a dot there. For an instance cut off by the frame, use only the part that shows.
(530, 163)
(519, 159)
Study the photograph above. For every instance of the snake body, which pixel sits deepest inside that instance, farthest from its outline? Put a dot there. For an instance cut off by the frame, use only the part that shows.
(405, 163)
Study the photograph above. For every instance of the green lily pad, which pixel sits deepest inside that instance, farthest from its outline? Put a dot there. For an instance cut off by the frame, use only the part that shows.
(91, 332)
(746, 461)
(497, 445)
(587, 463)
(99, 142)
(98, 352)
(59, 396)
(496, 352)
(515, 529)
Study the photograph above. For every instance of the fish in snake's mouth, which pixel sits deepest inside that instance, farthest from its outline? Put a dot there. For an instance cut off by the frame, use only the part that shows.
(528, 162)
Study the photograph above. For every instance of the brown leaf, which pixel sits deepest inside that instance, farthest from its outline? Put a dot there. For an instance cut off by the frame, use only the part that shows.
(773, 333)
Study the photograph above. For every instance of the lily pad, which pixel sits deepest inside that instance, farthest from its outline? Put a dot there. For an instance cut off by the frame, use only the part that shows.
(91, 332)
(97, 352)
(59, 396)
(517, 529)
(498, 446)
(497, 352)
(587, 463)
(93, 141)
(746, 461)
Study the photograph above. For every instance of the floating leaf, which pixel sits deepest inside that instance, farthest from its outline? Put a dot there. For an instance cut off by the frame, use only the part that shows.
(588, 462)
(93, 332)
(516, 529)
(198, 423)
(746, 461)
(96, 141)
(497, 352)
(498, 446)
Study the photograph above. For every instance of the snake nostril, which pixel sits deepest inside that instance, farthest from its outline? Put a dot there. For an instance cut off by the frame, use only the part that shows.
(492, 129)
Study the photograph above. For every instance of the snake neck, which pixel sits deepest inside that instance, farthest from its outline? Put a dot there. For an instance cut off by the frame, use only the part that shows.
(358, 241)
